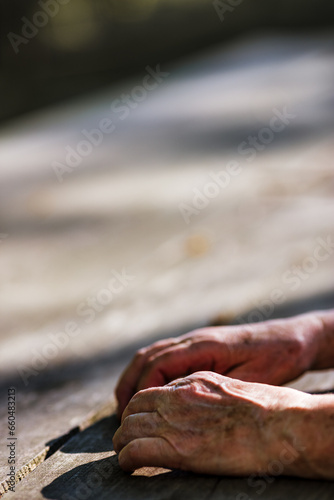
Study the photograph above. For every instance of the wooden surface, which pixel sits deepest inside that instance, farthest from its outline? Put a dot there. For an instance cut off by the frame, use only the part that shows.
(86, 467)
(61, 242)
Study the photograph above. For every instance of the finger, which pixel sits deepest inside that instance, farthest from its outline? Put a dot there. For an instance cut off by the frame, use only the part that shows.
(145, 401)
(176, 361)
(137, 426)
(150, 451)
(127, 384)
(265, 372)
(246, 374)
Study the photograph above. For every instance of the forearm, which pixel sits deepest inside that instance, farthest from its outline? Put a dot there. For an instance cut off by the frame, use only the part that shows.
(312, 438)
(324, 357)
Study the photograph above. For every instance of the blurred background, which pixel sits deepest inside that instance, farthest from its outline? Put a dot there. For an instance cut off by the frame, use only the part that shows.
(83, 45)
(164, 165)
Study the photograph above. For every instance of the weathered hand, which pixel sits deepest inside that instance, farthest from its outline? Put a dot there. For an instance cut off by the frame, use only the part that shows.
(209, 423)
(273, 352)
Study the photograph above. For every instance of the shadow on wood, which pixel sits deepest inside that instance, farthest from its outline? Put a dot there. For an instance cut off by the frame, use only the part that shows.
(104, 479)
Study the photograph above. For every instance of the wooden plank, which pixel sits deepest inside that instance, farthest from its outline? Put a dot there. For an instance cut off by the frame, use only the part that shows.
(60, 401)
(86, 468)
(74, 400)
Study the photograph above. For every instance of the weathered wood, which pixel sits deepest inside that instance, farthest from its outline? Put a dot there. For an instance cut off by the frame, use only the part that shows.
(32, 445)
(87, 468)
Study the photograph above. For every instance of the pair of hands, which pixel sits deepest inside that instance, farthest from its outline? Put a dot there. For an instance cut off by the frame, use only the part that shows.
(217, 418)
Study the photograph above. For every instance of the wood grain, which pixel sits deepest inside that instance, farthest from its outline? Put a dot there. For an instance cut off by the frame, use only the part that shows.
(86, 467)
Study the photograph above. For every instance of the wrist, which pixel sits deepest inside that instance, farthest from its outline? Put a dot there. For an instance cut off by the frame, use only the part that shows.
(305, 330)
(308, 330)
(309, 431)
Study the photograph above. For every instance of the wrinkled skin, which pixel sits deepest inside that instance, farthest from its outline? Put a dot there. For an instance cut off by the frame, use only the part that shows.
(206, 423)
(272, 353)
(212, 423)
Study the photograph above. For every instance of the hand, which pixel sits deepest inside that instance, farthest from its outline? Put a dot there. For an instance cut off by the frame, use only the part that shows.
(209, 423)
(273, 352)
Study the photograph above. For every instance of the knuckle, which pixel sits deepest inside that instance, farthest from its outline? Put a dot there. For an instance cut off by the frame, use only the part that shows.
(152, 361)
(131, 452)
(141, 353)
(134, 400)
(126, 425)
(141, 393)
(131, 404)
(129, 456)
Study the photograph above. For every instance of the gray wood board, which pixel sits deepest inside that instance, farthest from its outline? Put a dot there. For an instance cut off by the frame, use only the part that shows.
(87, 468)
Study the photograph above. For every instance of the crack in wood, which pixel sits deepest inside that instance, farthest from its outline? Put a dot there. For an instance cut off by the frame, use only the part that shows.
(57, 443)
(46, 453)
